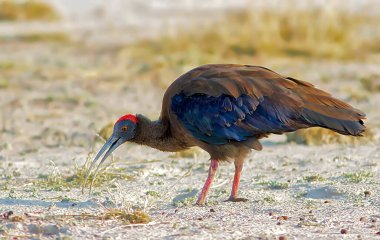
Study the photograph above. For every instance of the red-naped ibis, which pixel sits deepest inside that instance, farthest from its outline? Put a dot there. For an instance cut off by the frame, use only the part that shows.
(225, 109)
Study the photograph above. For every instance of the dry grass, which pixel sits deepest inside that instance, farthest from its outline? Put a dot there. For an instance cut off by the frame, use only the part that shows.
(106, 131)
(188, 153)
(26, 11)
(4, 83)
(371, 83)
(53, 37)
(58, 182)
(45, 37)
(6, 65)
(126, 216)
(320, 136)
(313, 33)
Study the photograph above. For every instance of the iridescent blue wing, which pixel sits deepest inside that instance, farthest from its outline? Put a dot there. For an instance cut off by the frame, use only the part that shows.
(219, 120)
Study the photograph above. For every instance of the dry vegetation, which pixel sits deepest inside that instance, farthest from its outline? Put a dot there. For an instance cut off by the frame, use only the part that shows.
(244, 35)
(371, 83)
(126, 216)
(58, 182)
(11, 10)
(319, 136)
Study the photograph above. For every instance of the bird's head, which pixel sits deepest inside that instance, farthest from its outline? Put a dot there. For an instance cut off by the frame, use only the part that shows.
(123, 130)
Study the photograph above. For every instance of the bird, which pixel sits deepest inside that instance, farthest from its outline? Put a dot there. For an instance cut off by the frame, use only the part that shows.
(225, 109)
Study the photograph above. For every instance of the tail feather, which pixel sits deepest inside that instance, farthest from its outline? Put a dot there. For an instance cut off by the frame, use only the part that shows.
(346, 126)
(323, 110)
(337, 112)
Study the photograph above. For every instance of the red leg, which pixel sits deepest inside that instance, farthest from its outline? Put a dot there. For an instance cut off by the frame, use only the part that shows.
(211, 173)
(235, 184)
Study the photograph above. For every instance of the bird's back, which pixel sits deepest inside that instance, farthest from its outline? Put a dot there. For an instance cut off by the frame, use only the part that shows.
(221, 104)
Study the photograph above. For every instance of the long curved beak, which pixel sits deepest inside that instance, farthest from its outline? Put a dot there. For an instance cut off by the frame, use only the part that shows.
(112, 143)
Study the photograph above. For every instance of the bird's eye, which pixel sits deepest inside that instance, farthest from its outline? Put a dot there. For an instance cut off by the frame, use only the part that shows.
(124, 128)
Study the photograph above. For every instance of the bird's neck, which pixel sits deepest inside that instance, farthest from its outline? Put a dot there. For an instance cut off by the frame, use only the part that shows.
(156, 134)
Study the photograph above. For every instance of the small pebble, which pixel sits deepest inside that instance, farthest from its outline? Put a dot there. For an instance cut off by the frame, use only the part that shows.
(7, 214)
(311, 211)
(373, 220)
(283, 218)
(367, 193)
(343, 231)
(327, 201)
(282, 238)
(271, 214)
(378, 233)
(278, 223)
(362, 219)
(212, 210)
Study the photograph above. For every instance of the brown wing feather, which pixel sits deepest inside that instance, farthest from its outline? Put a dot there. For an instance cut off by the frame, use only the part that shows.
(313, 107)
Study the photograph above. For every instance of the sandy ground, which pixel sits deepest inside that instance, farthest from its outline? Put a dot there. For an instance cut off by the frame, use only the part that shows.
(58, 98)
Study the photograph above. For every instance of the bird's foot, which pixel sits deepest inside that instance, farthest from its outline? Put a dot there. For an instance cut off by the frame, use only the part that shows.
(201, 201)
(236, 199)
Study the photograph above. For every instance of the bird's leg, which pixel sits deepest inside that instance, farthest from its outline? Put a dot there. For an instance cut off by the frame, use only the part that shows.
(211, 173)
(235, 184)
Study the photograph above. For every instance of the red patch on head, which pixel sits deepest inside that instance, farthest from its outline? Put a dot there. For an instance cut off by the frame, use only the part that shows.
(130, 117)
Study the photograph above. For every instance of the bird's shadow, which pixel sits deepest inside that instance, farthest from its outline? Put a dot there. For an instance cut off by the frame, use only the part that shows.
(42, 203)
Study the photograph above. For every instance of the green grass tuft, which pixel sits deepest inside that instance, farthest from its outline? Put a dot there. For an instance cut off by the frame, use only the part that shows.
(269, 199)
(4, 83)
(314, 178)
(359, 177)
(153, 194)
(278, 185)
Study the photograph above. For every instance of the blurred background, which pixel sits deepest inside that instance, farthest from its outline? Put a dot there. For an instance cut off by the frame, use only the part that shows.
(69, 68)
